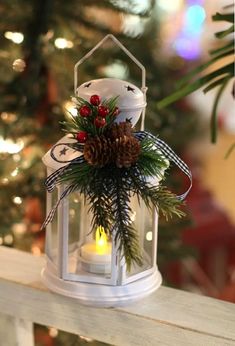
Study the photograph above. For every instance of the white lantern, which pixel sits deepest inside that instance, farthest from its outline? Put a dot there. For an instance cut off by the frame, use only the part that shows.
(79, 264)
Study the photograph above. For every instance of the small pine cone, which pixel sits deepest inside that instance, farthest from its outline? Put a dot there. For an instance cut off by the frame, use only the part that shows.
(127, 150)
(98, 151)
(121, 129)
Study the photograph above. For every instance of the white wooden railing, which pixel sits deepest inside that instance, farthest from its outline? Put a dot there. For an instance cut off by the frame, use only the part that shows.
(167, 317)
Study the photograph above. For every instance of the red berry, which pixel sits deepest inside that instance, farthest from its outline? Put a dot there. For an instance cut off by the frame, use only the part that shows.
(116, 111)
(95, 100)
(85, 111)
(103, 111)
(82, 136)
(99, 122)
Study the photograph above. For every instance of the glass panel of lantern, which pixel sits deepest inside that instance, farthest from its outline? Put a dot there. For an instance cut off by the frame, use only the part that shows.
(144, 221)
(89, 251)
(90, 255)
(52, 228)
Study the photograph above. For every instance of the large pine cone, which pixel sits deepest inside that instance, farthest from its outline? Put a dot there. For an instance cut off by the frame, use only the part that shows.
(98, 151)
(121, 129)
(127, 150)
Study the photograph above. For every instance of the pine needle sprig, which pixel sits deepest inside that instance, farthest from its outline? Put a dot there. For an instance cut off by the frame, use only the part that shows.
(98, 195)
(151, 162)
(126, 236)
(78, 174)
(77, 123)
(95, 190)
(160, 197)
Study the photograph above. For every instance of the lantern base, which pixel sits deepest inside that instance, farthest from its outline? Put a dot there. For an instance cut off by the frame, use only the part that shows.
(103, 295)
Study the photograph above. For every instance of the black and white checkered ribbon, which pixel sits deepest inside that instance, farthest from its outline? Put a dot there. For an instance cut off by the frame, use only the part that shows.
(170, 155)
(54, 178)
(69, 189)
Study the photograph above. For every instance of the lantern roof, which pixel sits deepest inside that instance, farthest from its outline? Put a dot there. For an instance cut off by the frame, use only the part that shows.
(62, 152)
(129, 95)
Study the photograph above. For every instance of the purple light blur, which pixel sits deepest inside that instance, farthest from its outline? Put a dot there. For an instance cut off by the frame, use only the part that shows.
(195, 2)
(187, 44)
(187, 48)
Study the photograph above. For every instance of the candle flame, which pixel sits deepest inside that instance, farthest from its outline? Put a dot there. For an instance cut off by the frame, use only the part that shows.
(101, 240)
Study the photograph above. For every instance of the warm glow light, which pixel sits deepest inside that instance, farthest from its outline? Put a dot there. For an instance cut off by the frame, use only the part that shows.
(53, 332)
(36, 250)
(70, 108)
(85, 338)
(8, 239)
(170, 6)
(19, 228)
(8, 118)
(17, 200)
(15, 172)
(133, 216)
(100, 240)
(62, 43)
(16, 37)
(8, 146)
(116, 70)
(16, 157)
(149, 236)
(133, 25)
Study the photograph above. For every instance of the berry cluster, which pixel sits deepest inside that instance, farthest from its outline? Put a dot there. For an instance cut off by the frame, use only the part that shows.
(96, 113)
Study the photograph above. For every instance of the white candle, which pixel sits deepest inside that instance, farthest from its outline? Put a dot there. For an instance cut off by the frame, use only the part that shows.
(89, 253)
(96, 256)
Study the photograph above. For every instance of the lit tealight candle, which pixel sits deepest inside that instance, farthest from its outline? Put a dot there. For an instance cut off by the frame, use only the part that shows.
(96, 256)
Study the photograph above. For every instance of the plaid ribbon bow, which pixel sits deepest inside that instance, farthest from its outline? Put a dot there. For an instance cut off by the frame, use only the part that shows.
(53, 179)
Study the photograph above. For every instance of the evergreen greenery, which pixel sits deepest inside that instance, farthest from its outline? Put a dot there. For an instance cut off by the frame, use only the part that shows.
(218, 78)
(108, 191)
(78, 123)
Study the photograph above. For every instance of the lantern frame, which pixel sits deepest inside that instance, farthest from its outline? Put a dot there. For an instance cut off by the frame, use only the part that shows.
(94, 289)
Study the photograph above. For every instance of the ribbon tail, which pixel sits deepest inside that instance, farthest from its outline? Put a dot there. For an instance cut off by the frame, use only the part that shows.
(69, 189)
(171, 155)
(53, 178)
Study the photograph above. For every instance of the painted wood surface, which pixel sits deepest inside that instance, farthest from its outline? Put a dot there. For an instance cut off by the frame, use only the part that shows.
(167, 317)
(15, 331)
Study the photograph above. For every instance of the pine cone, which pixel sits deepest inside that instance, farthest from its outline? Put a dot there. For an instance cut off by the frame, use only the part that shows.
(127, 150)
(98, 151)
(120, 130)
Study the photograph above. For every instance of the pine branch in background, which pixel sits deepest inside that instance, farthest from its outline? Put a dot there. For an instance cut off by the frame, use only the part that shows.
(218, 78)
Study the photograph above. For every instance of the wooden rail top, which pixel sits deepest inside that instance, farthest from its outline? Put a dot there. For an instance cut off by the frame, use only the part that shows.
(167, 317)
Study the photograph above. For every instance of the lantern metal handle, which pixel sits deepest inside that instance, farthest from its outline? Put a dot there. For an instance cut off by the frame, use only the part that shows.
(131, 56)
